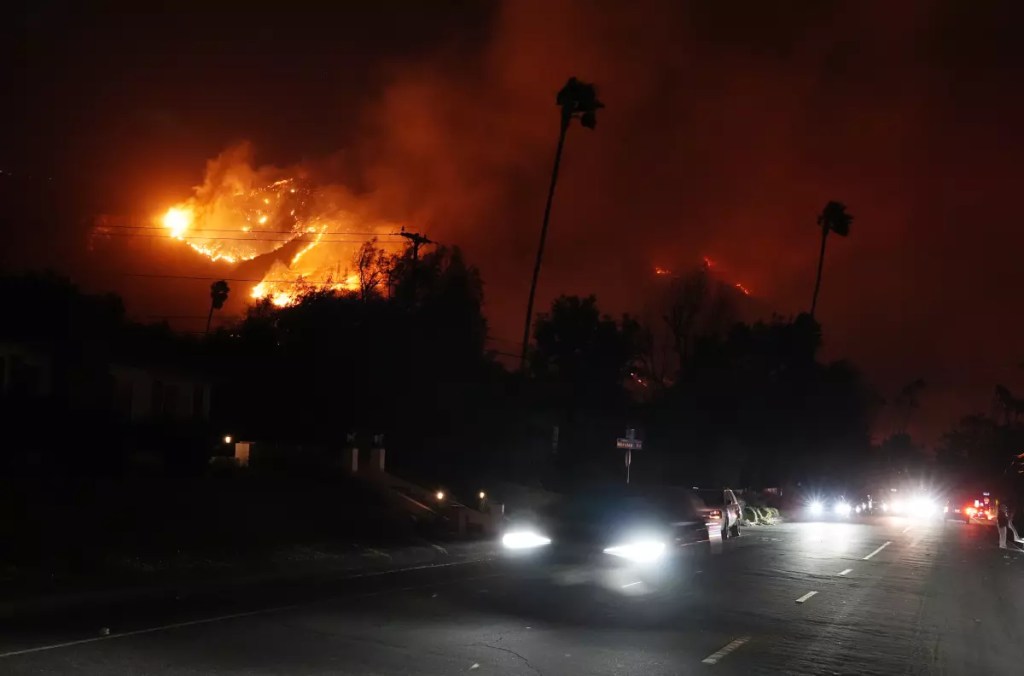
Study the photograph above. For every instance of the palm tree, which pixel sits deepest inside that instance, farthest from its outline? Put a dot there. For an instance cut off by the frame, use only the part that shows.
(833, 218)
(218, 296)
(576, 99)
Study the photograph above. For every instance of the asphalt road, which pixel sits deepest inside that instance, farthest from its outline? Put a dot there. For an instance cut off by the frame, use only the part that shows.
(889, 596)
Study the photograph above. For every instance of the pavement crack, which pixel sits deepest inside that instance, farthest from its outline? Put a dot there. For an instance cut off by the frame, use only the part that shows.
(512, 652)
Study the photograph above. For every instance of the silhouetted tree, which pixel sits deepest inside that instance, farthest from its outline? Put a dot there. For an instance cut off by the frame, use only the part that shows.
(575, 99)
(1007, 405)
(219, 291)
(833, 218)
(577, 346)
(690, 297)
(373, 266)
(906, 402)
(901, 455)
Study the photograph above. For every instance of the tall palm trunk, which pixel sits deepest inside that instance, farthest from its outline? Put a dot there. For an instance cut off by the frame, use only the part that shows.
(209, 318)
(821, 263)
(543, 237)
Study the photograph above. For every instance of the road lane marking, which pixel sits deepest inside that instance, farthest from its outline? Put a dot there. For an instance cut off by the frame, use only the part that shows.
(877, 550)
(806, 596)
(231, 616)
(714, 658)
(844, 572)
(904, 530)
(627, 586)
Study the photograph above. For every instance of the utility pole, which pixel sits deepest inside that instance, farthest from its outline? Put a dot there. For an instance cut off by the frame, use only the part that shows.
(416, 241)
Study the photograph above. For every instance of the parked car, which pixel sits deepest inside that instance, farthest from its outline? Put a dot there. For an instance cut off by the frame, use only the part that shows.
(721, 510)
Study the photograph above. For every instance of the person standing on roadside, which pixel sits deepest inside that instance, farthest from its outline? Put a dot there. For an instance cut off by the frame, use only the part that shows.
(1011, 510)
(1002, 520)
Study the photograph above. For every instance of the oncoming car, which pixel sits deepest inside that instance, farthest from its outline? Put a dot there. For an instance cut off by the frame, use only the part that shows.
(628, 541)
(828, 508)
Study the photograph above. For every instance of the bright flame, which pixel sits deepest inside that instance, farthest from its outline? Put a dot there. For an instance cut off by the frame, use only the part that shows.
(177, 220)
(241, 213)
(744, 290)
(661, 272)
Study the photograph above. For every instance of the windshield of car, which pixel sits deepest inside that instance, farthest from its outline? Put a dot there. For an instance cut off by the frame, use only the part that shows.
(617, 506)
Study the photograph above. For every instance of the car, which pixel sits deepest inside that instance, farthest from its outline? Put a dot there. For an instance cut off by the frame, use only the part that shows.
(721, 510)
(625, 540)
(829, 508)
(954, 511)
(959, 507)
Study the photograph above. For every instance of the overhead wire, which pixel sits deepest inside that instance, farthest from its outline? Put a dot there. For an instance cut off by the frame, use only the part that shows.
(298, 237)
(260, 231)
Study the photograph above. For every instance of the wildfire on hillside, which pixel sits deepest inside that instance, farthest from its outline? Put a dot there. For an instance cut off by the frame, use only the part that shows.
(241, 213)
(707, 265)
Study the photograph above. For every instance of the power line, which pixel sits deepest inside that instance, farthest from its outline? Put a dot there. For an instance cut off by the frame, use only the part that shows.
(216, 277)
(299, 237)
(277, 232)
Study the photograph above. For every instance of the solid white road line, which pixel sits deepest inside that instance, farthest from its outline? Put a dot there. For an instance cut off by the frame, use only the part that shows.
(877, 550)
(714, 658)
(844, 572)
(806, 596)
(626, 586)
(222, 618)
(904, 530)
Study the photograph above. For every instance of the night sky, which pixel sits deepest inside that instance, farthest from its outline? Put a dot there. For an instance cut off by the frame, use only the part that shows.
(728, 126)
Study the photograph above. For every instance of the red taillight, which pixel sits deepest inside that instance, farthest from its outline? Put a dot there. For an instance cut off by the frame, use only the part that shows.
(970, 511)
(715, 514)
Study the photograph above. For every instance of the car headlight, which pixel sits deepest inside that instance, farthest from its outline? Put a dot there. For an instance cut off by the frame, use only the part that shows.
(923, 506)
(815, 507)
(842, 508)
(524, 539)
(640, 551)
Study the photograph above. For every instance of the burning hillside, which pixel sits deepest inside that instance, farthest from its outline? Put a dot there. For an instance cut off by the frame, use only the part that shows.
(309, 233)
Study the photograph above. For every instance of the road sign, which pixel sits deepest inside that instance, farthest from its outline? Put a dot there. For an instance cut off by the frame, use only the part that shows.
(630, 443)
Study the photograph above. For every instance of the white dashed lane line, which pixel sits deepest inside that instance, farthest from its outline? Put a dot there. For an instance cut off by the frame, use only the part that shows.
(877, 550)
(806, 596)
(844, 572)
(714, 658)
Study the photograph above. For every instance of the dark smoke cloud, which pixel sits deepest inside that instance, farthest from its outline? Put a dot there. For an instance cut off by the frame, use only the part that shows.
(728, 127)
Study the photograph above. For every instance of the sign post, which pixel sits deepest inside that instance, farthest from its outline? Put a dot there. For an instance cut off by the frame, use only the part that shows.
(630, 443)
